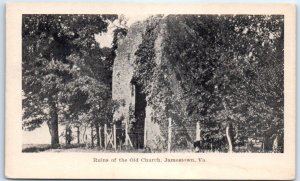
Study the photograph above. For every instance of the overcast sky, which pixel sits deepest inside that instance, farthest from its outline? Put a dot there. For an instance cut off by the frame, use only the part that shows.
(105, 39)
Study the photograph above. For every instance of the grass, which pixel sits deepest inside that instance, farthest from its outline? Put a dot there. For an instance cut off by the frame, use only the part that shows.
(47, 147)
(35, 148)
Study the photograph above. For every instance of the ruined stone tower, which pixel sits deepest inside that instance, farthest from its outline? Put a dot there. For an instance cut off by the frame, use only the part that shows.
(136, 114)
(125, 90)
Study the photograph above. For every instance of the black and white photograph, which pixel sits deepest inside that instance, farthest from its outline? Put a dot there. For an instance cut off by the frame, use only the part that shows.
(153, 83)
(150, 91)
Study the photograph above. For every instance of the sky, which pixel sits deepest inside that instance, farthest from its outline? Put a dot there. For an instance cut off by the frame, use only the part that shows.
(105, 39)
(38, 136)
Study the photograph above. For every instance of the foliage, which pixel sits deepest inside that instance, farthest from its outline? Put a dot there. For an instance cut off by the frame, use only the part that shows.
(63, 66)
(217, 69)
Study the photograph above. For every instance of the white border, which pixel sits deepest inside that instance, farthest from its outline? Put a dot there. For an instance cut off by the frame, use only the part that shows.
(81, 165)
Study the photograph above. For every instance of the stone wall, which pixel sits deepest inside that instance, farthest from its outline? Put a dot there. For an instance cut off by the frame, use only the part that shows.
(122, 76)
(123, 69)
(154, 133)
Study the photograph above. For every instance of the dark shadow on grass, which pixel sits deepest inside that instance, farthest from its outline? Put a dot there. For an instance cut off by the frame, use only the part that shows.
(41, 148)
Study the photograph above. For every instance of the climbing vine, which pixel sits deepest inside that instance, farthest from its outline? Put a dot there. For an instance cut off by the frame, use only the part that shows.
(219, 70)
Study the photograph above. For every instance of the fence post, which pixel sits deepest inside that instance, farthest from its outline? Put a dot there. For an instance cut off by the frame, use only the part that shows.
(115, 136)
(92, 136)
(127, 138)
(145, 133)
(170, 135)
(100, 136)
(105, 135)
(126, 133)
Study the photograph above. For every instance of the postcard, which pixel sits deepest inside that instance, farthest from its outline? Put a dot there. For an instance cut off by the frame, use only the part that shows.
(150, 91)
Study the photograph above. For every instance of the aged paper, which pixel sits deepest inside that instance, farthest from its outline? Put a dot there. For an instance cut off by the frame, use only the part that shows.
(146, 136)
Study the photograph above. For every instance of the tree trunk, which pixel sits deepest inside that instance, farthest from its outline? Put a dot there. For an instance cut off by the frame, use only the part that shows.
(275, 144)
(97, 134)
(198, 131)
(229, 136)
(53, 125)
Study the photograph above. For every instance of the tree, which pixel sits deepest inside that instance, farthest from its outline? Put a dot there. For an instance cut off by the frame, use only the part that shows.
(220, 70)
(94, 82)
(49, 43)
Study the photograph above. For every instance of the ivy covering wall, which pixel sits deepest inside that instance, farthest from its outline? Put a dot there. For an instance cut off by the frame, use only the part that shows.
(218, 70)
